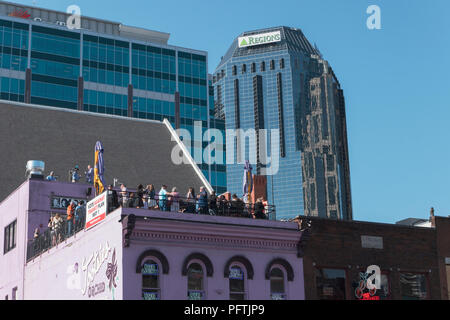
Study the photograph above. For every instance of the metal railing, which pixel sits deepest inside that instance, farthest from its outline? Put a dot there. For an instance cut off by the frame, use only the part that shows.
(54, 235)
(179, 204)
(64, 229)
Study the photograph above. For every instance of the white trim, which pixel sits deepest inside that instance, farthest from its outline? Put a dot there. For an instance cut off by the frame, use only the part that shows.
(188, 156)
(29, 105)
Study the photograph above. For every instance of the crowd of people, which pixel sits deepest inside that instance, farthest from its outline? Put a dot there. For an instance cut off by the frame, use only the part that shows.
(61, 227)
(202, 203)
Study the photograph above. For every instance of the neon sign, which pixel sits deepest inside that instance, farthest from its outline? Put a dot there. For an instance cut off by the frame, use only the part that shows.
(20, 14)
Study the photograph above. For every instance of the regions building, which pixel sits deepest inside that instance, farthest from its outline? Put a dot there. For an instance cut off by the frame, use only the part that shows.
(273, 79)
(105, 67)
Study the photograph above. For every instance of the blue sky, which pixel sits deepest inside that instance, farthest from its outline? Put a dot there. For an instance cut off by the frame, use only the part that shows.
(396, 81)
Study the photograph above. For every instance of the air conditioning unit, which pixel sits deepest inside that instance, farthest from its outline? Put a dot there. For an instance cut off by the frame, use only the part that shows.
(35, 169)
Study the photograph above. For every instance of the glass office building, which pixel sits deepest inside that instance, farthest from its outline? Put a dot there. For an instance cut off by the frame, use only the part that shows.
(274, 79)
(104, 67)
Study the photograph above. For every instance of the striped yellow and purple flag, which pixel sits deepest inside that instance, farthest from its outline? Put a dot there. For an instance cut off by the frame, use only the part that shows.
(99, 169)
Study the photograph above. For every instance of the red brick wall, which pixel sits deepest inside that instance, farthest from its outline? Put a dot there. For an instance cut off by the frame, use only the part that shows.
(337, 244)
(443, 244)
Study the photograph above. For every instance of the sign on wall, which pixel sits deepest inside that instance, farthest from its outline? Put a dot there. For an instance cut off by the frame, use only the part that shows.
(259, 39)
(372, 242)
(236, 273)
(60, 202)
(150, 269)
(151, 295)
(95, 275)
(96, 210)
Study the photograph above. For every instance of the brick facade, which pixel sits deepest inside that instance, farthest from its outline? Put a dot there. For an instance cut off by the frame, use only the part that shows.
(338, 245)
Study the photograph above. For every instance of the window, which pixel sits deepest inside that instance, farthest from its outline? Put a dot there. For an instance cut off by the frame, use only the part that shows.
(385, 291)
(263, 66)
(253, 67)
(234, 70)
(282, 64)
(272, 64)
(413, 286)
(195, 277)
(244, 68)
(277, 288)
(151, 289)
(237, 283)
(330, 284)
(10, 237)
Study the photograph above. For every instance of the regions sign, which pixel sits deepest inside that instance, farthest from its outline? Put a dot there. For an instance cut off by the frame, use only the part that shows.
(259, 39)
(96, 210)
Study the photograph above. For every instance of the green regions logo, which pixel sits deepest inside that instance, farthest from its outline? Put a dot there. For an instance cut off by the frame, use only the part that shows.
(259, 39)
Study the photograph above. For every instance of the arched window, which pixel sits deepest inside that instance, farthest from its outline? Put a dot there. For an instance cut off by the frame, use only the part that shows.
(237, 283)
(151, 288)
(272, 64)
(263, 66)
(277, 284)
(196, 283)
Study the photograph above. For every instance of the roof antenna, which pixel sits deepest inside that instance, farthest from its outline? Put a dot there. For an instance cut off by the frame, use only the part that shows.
(318, 51)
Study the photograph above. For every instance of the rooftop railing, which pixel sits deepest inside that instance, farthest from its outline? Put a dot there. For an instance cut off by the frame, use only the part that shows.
(179, 204)
(63, 229)
(57, 233)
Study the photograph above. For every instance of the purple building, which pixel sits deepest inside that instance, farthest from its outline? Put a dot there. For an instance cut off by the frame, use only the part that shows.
(138, 254)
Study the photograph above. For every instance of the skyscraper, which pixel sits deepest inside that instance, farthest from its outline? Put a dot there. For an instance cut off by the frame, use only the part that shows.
(103, 67)
(275, 80)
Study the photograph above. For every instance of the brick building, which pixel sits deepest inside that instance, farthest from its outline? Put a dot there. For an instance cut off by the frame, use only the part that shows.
(336, 252)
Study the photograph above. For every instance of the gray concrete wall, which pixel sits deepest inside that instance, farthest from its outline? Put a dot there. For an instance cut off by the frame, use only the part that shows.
(135, 151)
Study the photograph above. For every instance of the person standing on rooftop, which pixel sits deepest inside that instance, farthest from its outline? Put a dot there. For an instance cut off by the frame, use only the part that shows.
(89, 174)
(51, 177)
(174, 200)
(162, 196)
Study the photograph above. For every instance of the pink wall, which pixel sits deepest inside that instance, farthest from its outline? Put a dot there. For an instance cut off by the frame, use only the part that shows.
(179, 235)
(12, 263)
(60, 273)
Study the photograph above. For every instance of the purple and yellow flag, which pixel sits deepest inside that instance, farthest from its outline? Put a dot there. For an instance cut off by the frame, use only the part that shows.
(99, 169)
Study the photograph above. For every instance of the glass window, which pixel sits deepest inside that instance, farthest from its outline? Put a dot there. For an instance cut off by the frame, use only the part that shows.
(277, 290)
(195, 278)
(413, 286)
(237, 283)
(385, 291)
(330, 284)
(150, 281)
(9, 239)
(272, 64)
